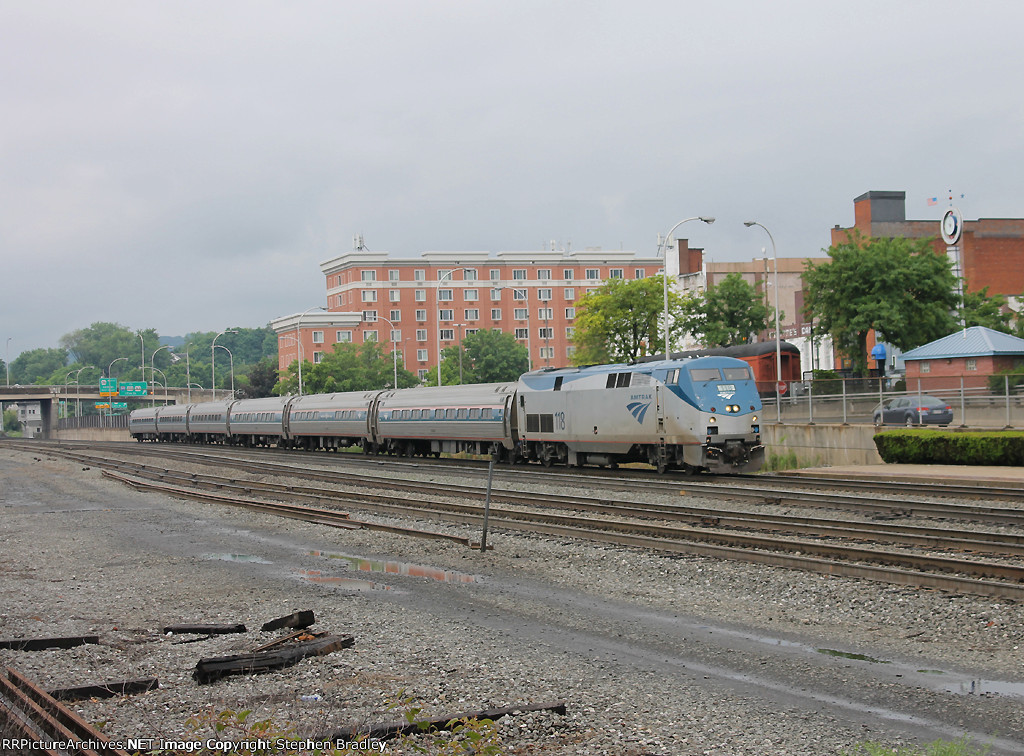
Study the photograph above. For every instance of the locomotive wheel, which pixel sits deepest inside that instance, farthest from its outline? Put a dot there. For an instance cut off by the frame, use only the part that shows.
(546, 458)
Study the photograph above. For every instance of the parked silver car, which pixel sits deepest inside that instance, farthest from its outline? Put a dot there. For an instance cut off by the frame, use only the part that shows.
(920, 409)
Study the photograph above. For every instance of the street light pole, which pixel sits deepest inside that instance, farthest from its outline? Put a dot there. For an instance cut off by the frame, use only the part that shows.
(778, 334)
(298, 338)
(213, 363)
(446, 274)
(153, 375)
(394, 346)
(7, 360)
(665, 242)
(231, 361)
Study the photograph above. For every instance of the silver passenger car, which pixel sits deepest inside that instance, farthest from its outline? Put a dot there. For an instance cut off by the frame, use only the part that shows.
(257, 422)
(172, 422)
(470, 418)
(208, 422)
(330, 421)
(142, 424)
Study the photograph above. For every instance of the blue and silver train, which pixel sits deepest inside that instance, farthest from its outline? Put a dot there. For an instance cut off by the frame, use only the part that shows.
(699, 415)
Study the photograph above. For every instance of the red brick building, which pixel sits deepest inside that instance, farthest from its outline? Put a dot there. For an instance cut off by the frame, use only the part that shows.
(991, 249)
(970, 356)
(424, 304)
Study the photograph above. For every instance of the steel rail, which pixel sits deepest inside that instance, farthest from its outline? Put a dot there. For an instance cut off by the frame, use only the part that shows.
(934, 538)
(743, 547)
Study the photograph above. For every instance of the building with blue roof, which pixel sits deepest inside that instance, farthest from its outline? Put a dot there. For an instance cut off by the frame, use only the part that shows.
(971, 354)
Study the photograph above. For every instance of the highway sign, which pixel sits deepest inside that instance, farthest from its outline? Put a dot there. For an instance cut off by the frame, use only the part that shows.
(137, 388)
(108, 386)
(101, 405)
(119, 405)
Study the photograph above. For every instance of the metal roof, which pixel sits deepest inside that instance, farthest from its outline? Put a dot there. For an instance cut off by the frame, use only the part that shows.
(976, 341)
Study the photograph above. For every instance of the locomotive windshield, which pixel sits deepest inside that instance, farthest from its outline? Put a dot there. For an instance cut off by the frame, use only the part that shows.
(704, 374)
(736, 374)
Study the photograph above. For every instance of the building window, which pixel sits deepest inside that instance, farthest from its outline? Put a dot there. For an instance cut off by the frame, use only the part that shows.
(569, 332)
(318, 337)
(522, 333)
(421, 295)
(544, 294)
(471, 331)
(546, 352)
(470, 295)
(570, 313)
(421, 356)
(639, 273)
(469, 274)
(495, 295)
(369, 295)
(545, 313)
(422, 373)
(520, 313)
(971, 363)
(496, 314)
(369, 336)
(396, 315)
(396, 336)
(472, 314)
(369, 275)
(543, 275)
(419, 275)
(421, 316)
(546, 333)
(447, 314)
(495, 274)
(421, 334)
(520, 294)
(444, 295)
(593, 274)
(570, 294)
(447, 334)
(394, 275)
(395, 295)
(570, 351)
(444, 275)
(926, 367)
(317, 357)
(343, 337)
(369, 316)
(519, 275)
(615, 273)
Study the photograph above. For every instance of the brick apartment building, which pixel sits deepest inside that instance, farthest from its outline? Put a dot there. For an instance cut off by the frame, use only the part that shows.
(424, 304)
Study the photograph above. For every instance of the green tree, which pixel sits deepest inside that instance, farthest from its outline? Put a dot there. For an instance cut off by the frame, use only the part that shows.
(487, 356)
(38, 365)
(730, 313)
(260, 380)
(623, 320)
(898, 287)
(102, 343)
(979, 309)
(11, 423)
(349, 367)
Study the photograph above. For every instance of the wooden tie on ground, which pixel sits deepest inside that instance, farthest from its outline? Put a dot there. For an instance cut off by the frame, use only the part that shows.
(213, 668)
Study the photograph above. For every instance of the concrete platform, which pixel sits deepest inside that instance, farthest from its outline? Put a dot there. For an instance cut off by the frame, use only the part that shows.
(1010, 477)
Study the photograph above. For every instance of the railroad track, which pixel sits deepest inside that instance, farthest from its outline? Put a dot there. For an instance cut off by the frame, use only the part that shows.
(823, 546)
(36, 722)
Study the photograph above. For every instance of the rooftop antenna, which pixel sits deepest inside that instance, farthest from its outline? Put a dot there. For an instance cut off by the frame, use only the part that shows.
(357, 243)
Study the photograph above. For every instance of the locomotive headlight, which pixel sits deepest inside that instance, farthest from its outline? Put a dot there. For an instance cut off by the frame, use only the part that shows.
(712, 419)
(753, 419)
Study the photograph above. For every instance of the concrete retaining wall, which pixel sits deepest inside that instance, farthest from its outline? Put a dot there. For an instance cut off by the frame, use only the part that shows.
(91, 434)
(820, 445)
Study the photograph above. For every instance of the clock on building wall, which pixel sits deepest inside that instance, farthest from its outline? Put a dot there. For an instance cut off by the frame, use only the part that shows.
(952, 225)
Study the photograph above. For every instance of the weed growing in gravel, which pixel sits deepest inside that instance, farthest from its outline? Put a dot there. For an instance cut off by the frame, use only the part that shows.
(961, 747)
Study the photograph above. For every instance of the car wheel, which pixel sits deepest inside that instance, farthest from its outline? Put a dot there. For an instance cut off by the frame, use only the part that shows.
(878, 420)
(910, 421)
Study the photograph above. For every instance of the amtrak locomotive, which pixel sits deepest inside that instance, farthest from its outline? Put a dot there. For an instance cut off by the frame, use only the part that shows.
(697, 414)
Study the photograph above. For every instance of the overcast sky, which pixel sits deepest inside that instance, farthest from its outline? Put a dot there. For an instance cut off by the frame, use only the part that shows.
(187, 165)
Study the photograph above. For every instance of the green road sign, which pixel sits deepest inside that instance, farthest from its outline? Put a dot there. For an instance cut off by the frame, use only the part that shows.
(137, 388)
(119, 405)
(108, 386)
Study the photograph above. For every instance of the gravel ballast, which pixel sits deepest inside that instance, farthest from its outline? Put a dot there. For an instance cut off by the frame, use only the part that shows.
(652, 654)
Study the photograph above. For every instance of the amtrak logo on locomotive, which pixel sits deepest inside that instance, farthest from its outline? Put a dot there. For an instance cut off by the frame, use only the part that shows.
(638, 410)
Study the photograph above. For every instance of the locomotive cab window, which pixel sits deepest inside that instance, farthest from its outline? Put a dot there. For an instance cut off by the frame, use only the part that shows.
(736, 374)
(704, 374)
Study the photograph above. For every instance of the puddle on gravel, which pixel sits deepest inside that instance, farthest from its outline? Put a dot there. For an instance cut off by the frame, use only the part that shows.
(848, 655)
(986, 687)
(361, 564)
(315, 576)
(251, 558)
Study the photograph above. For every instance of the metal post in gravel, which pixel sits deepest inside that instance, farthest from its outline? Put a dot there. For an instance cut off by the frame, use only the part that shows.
(1006, 383)
(843, 383)
(963, 410)
(810, 402)
(487, 504)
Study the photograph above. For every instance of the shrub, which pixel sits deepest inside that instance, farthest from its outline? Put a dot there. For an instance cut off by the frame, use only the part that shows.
(933, 447)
